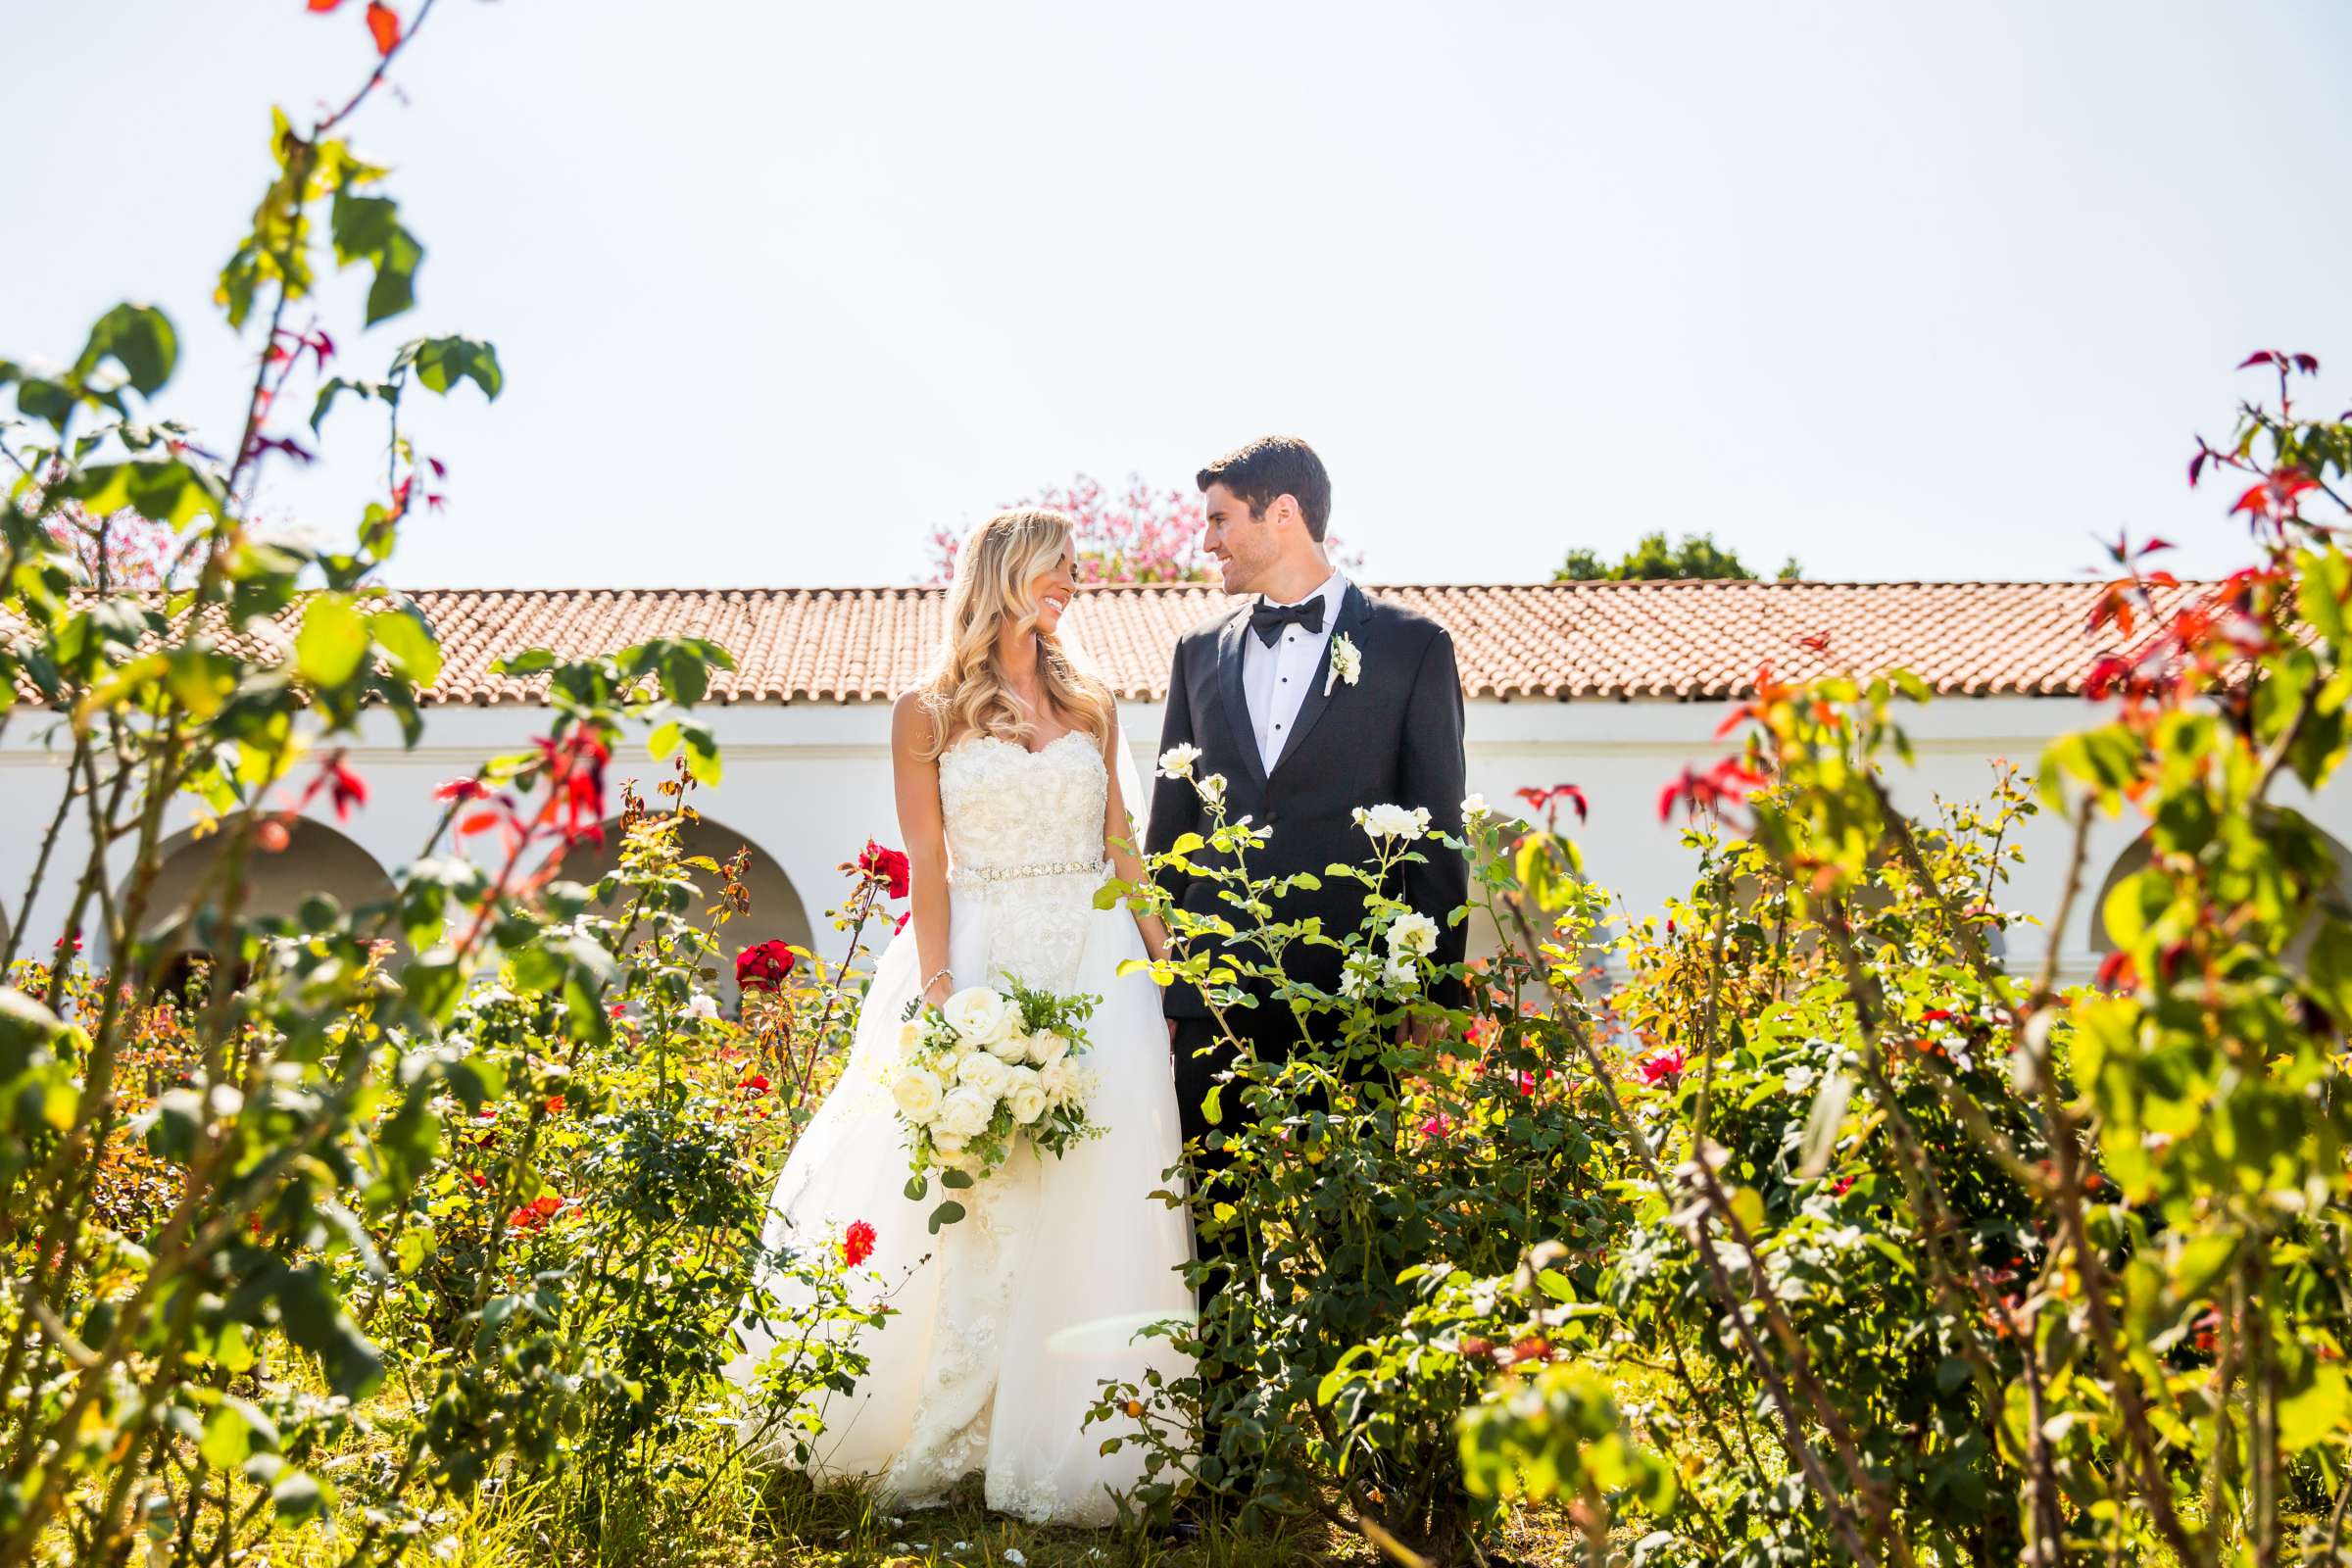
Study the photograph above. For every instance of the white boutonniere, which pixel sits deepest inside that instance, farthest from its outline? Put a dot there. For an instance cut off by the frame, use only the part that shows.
(1347, 662)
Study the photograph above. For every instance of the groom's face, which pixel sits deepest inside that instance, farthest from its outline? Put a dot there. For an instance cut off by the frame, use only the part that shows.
(1242, 542)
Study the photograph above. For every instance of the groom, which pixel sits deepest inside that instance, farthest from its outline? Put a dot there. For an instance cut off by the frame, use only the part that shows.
(1302, 743)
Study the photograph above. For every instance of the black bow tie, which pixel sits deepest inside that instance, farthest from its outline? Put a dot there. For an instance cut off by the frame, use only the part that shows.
(1267, 620)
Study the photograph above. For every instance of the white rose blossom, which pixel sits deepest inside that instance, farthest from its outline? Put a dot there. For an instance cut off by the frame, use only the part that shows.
(1393, 822)
(1012, 1046)
(986, 1073)
(703, 1007)
(1027, 1094)
(1474, 807)
(979, 1015)
(1347, 662)
(1045, 1046)
(917, 1095)
(1414, 935)
(1066, 1082)
(1212, 790)
(910, 1037)
(966, 1112)
(1177, 761)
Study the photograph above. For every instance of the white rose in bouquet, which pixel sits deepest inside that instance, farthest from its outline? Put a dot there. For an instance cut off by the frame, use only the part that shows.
(946, 1145)
(1065, 1083)
(981, 1071)
(917, 1094)
(911, 1038)
(1012, 1046)
(1045, 1046)
(1027, 1094)
(979, 1015)
(965, 1112)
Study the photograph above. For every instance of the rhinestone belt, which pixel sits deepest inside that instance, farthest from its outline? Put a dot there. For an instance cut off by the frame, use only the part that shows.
(986, 875)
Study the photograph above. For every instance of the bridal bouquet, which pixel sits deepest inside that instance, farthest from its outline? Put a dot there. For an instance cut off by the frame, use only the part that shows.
(986, 1067)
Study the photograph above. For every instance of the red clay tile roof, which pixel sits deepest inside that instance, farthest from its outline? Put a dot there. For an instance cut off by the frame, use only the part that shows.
(1528, 641)
(1554, 641)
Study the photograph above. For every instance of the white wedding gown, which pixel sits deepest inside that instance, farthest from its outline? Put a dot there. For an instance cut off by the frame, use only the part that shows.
(1006, 1322)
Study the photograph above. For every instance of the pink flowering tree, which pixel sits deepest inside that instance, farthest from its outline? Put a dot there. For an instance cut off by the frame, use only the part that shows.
(1139, 535)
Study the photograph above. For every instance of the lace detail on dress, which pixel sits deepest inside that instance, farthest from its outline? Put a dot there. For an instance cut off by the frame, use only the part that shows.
(948, 1439)
(1005, 806)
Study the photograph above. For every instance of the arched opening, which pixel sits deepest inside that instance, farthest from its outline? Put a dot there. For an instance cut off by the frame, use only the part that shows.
(776, 910)
(314, 860)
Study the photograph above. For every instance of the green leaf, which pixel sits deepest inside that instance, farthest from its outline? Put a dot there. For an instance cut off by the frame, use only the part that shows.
(1747, 1207)
(407, 642)
(298, 1497)
(443, 361)
(1822, 1123)
(916, 1188)
(947, 1213)
(367, 228)
(2317, 1411)
(164, 490)
(335, 387)
(27, 1028)
(955, 1179)
(137, 338)
(333, 642)
(235, 1429)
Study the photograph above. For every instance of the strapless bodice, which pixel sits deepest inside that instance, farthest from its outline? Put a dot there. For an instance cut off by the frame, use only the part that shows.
(1024, 836)
(1007, 809)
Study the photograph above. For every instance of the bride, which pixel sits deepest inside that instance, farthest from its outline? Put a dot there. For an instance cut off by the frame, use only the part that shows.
(1004, 1323)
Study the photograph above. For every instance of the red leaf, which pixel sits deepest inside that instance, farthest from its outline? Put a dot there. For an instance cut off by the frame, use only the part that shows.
(383, 25)
(325, 5)
(2308, 364)
(478, 822)
(2258, 357)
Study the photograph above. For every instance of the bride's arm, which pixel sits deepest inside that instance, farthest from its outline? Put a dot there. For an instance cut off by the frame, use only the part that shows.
(915, 780)
(1118, 842)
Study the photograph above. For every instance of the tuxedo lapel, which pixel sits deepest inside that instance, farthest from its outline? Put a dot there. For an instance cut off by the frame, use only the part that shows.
(1238, 727)
(1354, 611)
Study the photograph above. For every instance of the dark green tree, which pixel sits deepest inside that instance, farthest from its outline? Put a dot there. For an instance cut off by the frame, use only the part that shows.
(1653, 560)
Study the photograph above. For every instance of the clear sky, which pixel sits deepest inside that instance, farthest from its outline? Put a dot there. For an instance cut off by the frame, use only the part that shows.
(1905, 290)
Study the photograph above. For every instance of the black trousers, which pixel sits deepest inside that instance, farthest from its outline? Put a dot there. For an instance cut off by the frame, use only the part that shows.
(1201, 1053)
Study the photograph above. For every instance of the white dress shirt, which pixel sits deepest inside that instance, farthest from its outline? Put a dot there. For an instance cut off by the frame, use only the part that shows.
(1274, 680)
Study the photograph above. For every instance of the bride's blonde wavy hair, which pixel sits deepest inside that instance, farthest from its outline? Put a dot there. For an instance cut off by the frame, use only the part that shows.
(965, 692)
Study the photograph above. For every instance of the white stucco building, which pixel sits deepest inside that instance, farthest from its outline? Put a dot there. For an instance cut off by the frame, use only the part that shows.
(1612, 687)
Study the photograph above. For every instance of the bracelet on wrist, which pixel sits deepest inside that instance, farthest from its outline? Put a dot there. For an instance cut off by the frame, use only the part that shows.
(944, 974)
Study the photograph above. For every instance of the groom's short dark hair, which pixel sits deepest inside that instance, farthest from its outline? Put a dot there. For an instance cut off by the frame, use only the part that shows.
(1275, 465)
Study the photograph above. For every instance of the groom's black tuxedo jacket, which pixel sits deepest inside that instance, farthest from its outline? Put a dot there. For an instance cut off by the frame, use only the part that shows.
(1394, 737)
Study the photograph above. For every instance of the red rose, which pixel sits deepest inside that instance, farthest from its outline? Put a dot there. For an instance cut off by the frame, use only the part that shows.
(856, 1244)
(755, 1083)
(763, 967)
(887, 866)
(1665, 1064)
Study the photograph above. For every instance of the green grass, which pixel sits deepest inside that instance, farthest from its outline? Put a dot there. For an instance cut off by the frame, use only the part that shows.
(754, 1519)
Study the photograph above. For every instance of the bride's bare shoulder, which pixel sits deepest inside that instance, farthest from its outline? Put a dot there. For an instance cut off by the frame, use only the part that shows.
(912, 722)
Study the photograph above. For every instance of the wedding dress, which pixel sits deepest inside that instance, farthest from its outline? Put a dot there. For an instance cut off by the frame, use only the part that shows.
(1004, 1323)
